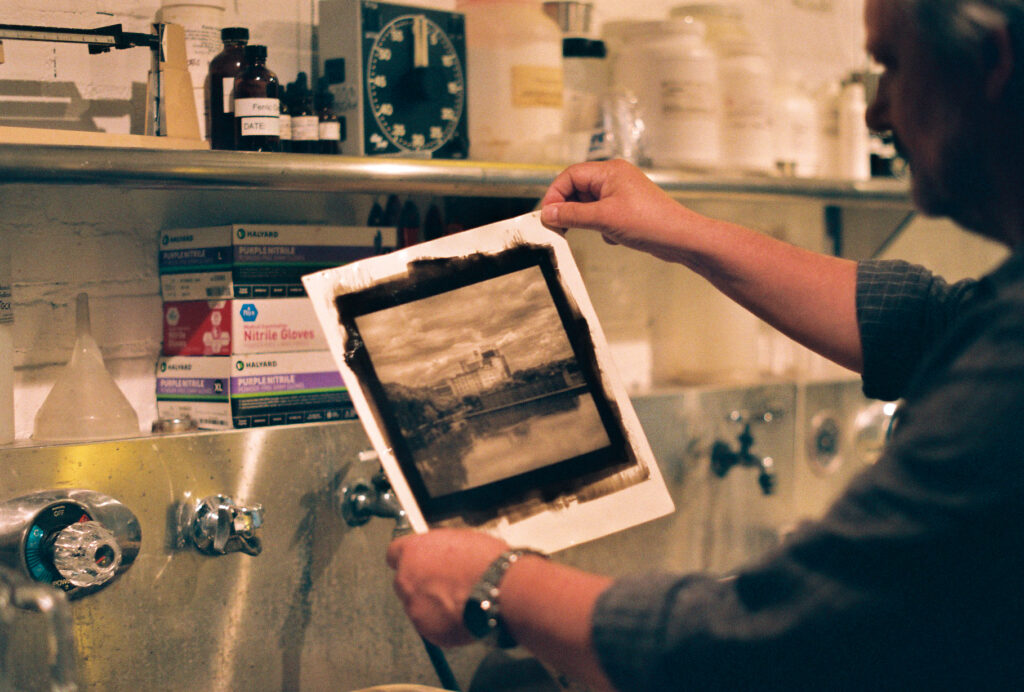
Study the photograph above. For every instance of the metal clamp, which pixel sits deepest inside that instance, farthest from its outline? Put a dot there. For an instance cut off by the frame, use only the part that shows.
(217, 525)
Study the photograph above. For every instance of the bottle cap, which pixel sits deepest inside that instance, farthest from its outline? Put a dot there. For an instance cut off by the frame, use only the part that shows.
(255, 53)
(234, 33)
(334, 70)
(583, 48)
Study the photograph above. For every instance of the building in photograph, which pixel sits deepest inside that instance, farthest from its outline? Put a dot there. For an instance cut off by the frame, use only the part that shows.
(486, 370)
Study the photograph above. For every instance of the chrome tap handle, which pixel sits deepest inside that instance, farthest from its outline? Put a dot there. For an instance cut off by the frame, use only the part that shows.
(361, 500)
(217, 525)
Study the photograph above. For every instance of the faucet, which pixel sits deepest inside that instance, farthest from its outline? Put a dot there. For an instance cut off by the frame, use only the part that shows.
(361, 500)
(723, 458)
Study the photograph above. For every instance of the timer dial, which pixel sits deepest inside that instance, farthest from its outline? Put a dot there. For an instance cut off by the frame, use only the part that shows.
(415, 86)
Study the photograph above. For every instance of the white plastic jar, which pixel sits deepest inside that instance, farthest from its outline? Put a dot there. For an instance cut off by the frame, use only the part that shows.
(685, 132)
(202, 21)
(745, 85)
(514, 81)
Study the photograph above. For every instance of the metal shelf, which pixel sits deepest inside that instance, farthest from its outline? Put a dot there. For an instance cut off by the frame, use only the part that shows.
(170, 169)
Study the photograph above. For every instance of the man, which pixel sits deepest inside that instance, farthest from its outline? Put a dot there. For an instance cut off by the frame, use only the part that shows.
(912, 579)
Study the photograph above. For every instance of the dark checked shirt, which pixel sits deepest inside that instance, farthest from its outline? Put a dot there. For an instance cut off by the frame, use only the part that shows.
(914, 579)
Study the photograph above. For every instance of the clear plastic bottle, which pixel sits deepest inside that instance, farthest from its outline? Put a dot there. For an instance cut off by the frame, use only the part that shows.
(514, 53)
(257, 104)
(220, 87)
(631, 108)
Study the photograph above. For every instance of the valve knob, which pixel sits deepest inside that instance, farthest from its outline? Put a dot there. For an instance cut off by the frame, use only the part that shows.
(86, 554)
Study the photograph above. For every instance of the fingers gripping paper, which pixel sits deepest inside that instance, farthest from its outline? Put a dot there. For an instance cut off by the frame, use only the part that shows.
(479, 371)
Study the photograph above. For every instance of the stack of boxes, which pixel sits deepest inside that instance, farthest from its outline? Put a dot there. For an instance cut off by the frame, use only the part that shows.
(241, 345)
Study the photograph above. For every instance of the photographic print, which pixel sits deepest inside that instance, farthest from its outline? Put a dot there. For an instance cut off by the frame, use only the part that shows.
(479, 372)
(483, 381)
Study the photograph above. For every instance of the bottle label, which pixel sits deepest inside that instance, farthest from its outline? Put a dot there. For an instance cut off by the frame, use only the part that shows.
(257, 107)
(305, 128)
(252, 127)
(285, 124)
(6, 309)
(330, 130)
(536, 86)
(228, 88)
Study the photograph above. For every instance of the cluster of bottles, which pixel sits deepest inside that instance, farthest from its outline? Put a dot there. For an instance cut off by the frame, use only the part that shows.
(699, 89)
(412, 227)
(248, 109)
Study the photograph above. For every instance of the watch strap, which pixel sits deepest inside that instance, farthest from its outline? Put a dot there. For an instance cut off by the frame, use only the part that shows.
(482, 613)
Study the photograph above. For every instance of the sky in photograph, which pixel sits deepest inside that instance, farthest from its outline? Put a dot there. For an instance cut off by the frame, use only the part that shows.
(422, 343)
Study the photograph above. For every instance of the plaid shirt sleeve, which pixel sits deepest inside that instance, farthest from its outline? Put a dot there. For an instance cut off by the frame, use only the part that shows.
(902, 310)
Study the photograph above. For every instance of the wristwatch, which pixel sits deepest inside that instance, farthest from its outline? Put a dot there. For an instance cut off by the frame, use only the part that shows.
(482, 613)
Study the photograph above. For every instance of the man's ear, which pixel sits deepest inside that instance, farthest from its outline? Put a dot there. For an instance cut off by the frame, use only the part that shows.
(999, 62)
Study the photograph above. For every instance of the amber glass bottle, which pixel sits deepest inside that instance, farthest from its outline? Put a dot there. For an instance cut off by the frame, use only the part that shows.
(257, 104)
(220, 87)
(331, 127)
(305, 122)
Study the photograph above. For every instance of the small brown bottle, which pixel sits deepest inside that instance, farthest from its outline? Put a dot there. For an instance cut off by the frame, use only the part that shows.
(331, 128)
(220, 87)
(305, 121)
(257, 104)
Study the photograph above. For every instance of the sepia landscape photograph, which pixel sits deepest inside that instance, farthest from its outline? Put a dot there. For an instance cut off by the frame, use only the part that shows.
(483, 382)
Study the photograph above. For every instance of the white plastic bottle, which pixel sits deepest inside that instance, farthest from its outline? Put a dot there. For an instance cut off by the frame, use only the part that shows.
(796, 128)
(854, 137)
(745, 82)
(686, 131)
(745, 79)
(586, 83)
(828, 128)
(514, 78)
(6, 348)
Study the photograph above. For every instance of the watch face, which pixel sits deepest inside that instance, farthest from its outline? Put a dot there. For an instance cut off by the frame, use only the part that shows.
(476, 617)
(415, 86)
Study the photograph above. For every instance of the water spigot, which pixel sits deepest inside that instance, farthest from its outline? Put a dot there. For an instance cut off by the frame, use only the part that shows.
(217, 525)
(723, 458)
(361, 500)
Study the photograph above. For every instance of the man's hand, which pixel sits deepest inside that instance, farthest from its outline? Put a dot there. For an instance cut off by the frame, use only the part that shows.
(434, 574)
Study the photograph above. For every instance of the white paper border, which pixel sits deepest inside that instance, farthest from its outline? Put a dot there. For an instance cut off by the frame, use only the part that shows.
(555, 528)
